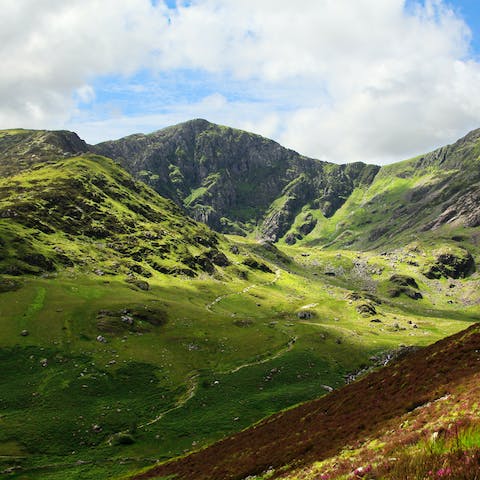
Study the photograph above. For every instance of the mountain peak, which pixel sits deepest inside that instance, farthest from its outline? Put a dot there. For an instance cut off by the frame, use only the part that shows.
(236, 181)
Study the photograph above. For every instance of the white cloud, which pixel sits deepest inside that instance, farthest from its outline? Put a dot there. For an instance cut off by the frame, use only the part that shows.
(341, 80)
(51, 49)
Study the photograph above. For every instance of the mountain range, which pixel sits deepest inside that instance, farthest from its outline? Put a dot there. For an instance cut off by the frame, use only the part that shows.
(161, 292)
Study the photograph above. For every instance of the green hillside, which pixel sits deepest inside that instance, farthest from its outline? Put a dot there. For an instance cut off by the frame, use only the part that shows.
(131, 333)
(430, 195)
(414, 419)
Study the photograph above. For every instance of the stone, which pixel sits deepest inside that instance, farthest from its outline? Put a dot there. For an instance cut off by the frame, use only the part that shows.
(305, 314)
(220, 259)
(366, 309)
(451, 263)
(290, 239)
(141, 284)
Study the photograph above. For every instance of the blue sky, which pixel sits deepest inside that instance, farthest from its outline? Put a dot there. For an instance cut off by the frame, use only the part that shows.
(370, 80)
(469, 10)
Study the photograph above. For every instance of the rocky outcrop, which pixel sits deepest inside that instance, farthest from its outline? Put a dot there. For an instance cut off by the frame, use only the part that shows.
(464, 211)
(22, 149)
(403, 284)
(450, 263)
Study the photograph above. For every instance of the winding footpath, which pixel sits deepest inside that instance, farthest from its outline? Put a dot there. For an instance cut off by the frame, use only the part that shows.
(192, 385)
(281, 352)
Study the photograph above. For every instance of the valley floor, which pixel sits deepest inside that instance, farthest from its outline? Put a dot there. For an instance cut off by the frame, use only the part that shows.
(110, 378)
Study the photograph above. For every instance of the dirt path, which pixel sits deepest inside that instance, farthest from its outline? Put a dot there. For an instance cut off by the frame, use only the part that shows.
(281, 352)
(244, 291)
(193, 380)
(192, 385)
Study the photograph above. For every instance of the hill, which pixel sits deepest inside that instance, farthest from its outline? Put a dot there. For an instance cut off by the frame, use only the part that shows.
(21, 149)
(238, 182)
(86, 210)
(370, 428)
(432, 194)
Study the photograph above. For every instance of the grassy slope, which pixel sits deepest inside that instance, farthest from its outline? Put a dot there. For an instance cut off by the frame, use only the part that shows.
(193, 370)
(196, 349)
(404, 198)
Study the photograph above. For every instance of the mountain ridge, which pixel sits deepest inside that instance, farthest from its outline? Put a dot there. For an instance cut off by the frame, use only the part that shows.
(235, 181)
(132, 331)
(299, 199)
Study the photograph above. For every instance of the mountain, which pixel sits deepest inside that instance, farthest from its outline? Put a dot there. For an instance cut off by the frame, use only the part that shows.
(235, 181)
(133, 333)
(238, 182)
(418, 414)
(432, 194)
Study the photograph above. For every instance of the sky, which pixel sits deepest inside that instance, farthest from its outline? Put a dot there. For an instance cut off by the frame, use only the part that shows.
(340, 80)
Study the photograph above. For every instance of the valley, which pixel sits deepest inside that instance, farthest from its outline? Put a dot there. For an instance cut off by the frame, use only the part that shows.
(132, 333)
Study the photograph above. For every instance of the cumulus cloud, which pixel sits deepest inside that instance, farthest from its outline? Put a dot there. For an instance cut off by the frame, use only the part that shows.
(52, 49)
(343, 80)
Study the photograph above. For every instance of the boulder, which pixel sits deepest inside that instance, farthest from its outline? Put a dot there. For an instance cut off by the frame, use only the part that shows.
(366, 309)
(308, 226)
(141, 284)
(252, 263)
(403, 284)
(290, 239)
(305, 314)
(9, 285)
(403, 281)
(219, 259)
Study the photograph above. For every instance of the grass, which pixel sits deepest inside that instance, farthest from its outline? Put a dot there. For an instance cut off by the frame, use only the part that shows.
(143, 375)
(418, 418)
(80, 230)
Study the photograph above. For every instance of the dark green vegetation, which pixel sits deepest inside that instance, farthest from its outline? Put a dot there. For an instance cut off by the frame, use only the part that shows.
(131, 333)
